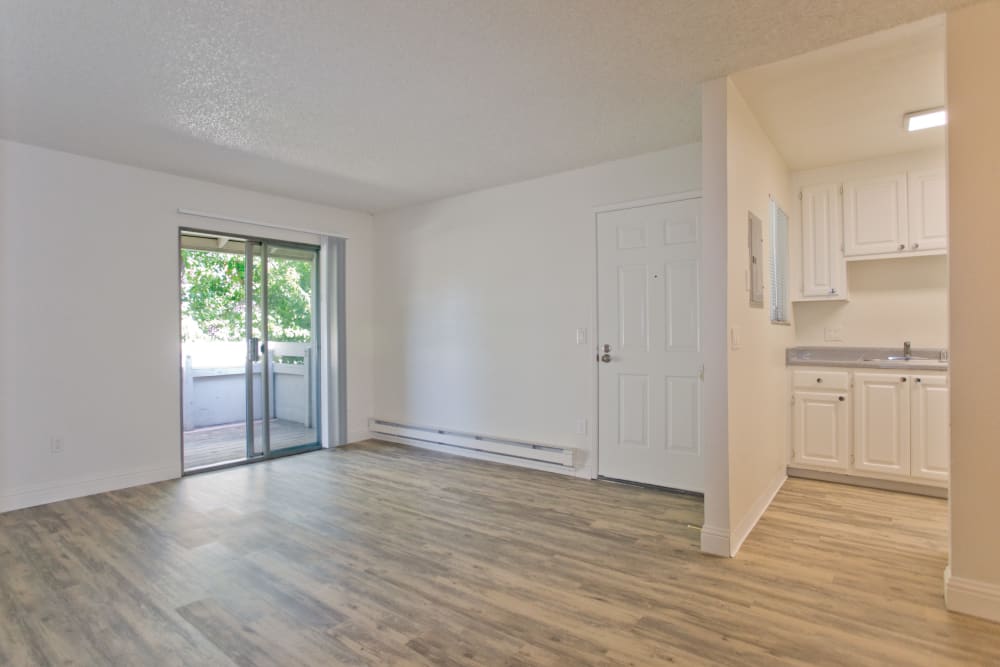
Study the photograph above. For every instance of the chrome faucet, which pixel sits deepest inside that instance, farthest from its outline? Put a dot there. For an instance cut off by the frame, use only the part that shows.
(906, 349)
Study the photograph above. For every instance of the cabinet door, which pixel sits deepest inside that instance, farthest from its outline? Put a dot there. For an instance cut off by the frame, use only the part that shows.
(928, 210)
(819, 429)
(823, 269)
(930, 427)
(875, 216)
(882, 423)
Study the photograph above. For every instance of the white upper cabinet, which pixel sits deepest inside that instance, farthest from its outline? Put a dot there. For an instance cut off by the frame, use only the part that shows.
(928, 210)
(875, 215)
(823, 267)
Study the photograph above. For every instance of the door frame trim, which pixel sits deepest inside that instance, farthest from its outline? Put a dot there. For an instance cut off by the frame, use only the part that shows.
(592, 467)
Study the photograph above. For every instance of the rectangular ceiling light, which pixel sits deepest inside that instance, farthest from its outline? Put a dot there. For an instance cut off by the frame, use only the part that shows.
(922, 120)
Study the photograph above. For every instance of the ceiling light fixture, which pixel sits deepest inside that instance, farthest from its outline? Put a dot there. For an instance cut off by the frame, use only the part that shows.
(922, 120)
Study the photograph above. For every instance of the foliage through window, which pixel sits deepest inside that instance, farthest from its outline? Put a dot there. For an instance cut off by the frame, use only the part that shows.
(213, 297)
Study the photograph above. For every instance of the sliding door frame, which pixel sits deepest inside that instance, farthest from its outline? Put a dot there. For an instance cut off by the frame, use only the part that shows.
(327, 322)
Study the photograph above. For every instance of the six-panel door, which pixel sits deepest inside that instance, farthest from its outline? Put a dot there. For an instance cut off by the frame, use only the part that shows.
(649, 390)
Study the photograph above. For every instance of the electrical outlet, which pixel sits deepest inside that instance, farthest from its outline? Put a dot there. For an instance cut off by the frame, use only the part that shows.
(56, 445)
(833, 334)
(735, 338)
(581, 427)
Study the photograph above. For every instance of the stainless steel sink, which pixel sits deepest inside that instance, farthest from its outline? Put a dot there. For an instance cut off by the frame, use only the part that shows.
(902, 358)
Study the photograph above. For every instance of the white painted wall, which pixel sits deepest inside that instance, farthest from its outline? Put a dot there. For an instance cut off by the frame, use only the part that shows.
(757, 402)
(973, 581)
(478, 298)
(89, 254)
(890, 300)
(714, 277)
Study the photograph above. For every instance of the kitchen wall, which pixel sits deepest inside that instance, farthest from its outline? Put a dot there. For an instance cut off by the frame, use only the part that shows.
(973, 578)
(89, 316)
(891, 300)
(478, 299)
(757, 378)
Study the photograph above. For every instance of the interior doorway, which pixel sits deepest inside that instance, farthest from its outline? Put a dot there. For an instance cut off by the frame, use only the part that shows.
(250, 349)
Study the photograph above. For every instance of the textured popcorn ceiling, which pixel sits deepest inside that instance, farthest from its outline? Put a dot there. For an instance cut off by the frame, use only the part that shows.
(373, 104)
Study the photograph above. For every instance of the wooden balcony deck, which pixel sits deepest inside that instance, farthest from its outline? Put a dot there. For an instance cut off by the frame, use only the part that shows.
(221, 444)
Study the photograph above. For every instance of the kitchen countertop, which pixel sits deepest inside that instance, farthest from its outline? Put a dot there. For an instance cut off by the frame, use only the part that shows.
(923, 359)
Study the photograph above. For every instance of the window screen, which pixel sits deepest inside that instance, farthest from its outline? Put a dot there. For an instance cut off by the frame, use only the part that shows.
(779, 265)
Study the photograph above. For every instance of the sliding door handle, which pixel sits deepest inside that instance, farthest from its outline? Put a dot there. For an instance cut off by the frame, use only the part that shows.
(255, 349)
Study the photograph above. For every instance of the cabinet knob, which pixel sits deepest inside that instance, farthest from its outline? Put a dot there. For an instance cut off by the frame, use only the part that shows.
(917, 380)
(840, 398)
(916, 245)
(820, 380)
(902, 246)
(902, 379)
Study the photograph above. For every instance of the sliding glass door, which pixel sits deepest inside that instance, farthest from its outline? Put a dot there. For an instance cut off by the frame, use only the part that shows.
(250, 349)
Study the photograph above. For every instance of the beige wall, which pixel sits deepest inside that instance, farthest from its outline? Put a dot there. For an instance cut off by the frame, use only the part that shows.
(974, 182)
(757, 397)
(758, 401)
(892, 300)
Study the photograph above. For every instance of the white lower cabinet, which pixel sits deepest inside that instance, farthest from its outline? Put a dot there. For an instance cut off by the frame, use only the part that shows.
(881, 424)
(930, 427)
(819, 426)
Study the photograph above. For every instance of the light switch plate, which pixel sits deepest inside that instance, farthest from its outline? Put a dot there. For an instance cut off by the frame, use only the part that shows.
(735, 338)
(581, 336)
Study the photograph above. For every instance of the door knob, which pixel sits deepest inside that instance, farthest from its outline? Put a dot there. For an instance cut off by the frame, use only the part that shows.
(606, 358)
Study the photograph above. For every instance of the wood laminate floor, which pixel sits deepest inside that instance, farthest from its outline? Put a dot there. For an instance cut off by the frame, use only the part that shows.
(381, 554)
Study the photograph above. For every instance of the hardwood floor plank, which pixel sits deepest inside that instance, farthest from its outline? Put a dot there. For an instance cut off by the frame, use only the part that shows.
(379, 554)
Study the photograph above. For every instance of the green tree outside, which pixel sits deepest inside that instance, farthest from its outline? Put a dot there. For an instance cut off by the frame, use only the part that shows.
(213, 297)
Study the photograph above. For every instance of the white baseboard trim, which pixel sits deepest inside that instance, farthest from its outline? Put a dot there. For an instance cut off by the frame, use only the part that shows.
(718, 541)
(50, 493)
(742, 530)
(479, 455)
(972, 597)
(715, 541)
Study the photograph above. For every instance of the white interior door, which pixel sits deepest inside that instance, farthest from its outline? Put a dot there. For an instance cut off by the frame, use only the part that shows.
(649, 329)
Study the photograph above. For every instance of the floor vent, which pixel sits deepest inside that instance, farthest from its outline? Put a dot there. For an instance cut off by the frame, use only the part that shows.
(474, 442)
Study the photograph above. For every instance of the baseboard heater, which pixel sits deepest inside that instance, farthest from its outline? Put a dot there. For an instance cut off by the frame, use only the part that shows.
(518, 449)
